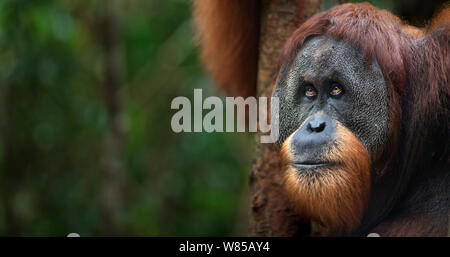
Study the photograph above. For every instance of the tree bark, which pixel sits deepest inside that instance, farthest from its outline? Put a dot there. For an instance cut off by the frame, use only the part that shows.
(270, 209)
(111, 160)
(10, 169)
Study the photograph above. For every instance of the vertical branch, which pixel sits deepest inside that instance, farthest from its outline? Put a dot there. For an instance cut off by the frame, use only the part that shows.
(271, 212)
(12, 160)
(10, 167)
(111, 161)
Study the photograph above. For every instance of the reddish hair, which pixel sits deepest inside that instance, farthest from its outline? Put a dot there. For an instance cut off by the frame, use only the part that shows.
(377, 33)
(337, 200)
(415, 65)
(228, 33)
(405, 54)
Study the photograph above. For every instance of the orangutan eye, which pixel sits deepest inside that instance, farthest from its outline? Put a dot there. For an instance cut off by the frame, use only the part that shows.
(310, 91)
(336, 89)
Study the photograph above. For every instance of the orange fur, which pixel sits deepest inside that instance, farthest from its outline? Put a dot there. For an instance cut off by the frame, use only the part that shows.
(228, 33)
(336, 197)
(440, 18)
(414, 32)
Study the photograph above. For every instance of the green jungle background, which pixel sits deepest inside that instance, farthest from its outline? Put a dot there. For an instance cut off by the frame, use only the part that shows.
(85, 138)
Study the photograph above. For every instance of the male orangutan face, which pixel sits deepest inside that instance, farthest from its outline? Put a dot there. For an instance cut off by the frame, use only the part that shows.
(333, 124)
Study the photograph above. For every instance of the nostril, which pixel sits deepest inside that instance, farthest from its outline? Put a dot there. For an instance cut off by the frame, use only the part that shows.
(316, 126)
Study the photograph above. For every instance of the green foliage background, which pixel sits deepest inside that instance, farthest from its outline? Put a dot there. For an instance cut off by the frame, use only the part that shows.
(53, 121)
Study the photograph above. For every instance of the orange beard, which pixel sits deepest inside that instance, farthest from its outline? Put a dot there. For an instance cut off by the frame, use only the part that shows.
(335, 197)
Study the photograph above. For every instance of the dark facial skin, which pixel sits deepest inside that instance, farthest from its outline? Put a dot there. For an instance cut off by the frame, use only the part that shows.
(331, 82)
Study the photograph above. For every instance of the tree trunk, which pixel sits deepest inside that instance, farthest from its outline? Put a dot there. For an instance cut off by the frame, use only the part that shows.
(12, 168)
(111, 159)
(271, 212)
(11, 164)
